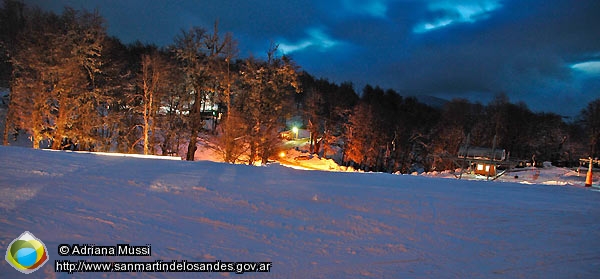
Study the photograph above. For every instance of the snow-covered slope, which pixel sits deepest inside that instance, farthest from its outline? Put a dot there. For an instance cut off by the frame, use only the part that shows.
(309, 224)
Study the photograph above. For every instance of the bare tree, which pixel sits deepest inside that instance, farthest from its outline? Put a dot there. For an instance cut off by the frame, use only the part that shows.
(202, 55)
(153, 85)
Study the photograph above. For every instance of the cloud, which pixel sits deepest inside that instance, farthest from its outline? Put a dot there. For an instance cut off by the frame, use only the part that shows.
(589, 67)
(447, 12)
(317, 38)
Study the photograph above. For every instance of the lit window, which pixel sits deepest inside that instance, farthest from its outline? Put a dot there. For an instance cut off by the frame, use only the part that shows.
(479, 167)
(487, 168)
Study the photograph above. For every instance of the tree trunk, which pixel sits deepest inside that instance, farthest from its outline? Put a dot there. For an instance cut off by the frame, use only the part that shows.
(146, 132)
(61, 122)
(252, 153)
(7, 125)
(147, 107)
(196, 123)
(192, 147)
(35, 130)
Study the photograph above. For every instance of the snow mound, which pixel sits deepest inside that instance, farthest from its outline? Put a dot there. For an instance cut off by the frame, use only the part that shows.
(303, 160)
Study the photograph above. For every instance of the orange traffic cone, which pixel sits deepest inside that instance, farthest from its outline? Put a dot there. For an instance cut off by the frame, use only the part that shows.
(588, 178)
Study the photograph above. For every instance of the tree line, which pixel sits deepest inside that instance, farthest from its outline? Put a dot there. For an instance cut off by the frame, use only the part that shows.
(73, 85)
(380, 130)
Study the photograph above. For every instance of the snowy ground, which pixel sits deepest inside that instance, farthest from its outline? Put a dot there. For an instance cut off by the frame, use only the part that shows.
(310, 224)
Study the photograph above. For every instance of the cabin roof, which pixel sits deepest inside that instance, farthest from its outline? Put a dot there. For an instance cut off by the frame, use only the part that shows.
(482, 153)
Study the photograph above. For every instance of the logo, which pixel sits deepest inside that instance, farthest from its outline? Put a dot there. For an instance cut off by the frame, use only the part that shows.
(26, 253)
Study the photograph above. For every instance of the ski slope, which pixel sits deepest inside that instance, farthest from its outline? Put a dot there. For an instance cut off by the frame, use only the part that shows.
(309, 224)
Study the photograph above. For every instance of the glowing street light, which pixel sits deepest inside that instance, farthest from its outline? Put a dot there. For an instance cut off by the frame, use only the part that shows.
(295, 130)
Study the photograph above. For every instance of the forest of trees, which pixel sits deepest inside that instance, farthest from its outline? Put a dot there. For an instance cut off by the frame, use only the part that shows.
(72, 85)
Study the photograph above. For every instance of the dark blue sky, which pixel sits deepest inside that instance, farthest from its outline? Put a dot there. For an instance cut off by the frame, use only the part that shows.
(545, 53)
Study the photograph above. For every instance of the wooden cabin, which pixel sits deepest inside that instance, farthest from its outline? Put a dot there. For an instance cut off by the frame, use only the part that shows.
(483, 160)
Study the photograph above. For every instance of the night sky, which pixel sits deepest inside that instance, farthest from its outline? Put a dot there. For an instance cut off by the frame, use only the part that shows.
(545, 53)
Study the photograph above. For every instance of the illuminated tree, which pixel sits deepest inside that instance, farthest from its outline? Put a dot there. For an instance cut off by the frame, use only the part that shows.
(55, 68)
(361, 147)
(202, 56)
(233, 127)
(153, 85)
(265, 87)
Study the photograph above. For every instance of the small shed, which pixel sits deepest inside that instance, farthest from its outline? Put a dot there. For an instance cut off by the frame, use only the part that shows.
(483, 160)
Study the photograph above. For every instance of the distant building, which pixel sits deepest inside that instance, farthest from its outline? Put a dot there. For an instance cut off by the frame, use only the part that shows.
(210, 112)
(483, 160)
